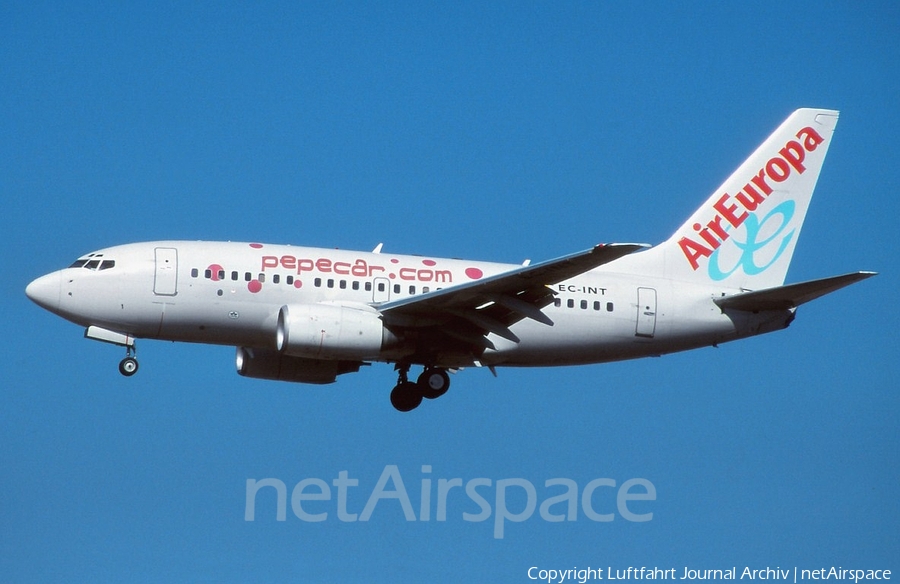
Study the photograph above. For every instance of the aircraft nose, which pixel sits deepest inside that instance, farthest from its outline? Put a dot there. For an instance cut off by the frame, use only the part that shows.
(45, 290)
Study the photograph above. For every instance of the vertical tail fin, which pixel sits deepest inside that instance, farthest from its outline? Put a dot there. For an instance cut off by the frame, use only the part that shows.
(744, 235)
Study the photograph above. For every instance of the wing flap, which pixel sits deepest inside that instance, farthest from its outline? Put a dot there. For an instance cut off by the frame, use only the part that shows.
(485, 322)
(790, 296)
(520, 306)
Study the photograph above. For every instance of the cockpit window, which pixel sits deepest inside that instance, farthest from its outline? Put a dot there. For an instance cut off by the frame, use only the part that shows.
(93, 262)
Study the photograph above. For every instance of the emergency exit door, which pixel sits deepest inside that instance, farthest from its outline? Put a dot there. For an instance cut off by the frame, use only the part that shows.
(646, 312)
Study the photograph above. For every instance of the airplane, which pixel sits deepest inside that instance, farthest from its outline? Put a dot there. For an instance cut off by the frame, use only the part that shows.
(308, 315)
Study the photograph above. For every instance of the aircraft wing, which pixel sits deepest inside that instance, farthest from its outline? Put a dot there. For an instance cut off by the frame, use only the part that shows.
(469, 311)
(790, 296)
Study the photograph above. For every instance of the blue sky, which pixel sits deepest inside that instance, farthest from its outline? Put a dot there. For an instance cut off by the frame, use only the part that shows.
(498, 132)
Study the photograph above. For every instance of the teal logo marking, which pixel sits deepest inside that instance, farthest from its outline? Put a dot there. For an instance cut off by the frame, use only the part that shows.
(784, 211)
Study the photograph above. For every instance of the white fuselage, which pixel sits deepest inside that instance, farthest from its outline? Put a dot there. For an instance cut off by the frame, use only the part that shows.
(231, 294)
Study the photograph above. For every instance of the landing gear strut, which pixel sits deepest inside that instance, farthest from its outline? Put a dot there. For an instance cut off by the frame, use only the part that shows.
(129, 365)
(432, 383)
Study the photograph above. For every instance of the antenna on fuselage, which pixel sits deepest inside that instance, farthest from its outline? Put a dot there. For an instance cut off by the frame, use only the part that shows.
(378, 248)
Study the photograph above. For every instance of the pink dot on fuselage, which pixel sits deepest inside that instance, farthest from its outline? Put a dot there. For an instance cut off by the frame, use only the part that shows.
(256, 245)
(395, 261)
(297, 283)
(392, 276)
(429, 262)
(254, 286)
(474, 273)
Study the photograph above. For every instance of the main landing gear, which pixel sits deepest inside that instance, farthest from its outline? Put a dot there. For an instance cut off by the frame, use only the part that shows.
(129, 365)
(432, 383)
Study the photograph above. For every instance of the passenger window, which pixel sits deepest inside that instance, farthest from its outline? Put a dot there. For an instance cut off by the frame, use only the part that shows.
(343, 284)
(262, 277)
(381, 286)
(234, 276)
(368, 286)
(207, 274)
(570, 303)
(609, 307)
(289, 280)
(317, 282)
(355, 285)
(276, 279)
(221, 274)
(396, 288)
(330, 283)
(248, 276)
(584, 305)
(557, 302)
(195, 272)
(425, 289)
(596, 305)
(412, 289)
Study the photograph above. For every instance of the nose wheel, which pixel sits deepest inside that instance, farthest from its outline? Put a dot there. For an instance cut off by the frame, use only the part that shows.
(129, 365)
(407, 396)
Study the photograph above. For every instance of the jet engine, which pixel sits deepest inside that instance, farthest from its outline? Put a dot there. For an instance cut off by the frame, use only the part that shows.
(330, 331)
(267, 364)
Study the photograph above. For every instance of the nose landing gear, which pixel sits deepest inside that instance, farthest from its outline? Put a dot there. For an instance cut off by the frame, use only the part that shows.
(129, 365)
(432, 383)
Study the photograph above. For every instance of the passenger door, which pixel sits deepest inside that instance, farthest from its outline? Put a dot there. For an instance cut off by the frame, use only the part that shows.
(165, 281)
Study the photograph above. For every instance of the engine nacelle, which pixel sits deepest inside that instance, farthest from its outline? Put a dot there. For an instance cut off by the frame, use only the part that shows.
(330, 331)
(267, 364)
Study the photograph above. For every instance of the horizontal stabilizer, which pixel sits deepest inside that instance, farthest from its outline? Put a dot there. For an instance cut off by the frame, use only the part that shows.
(791, 296)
